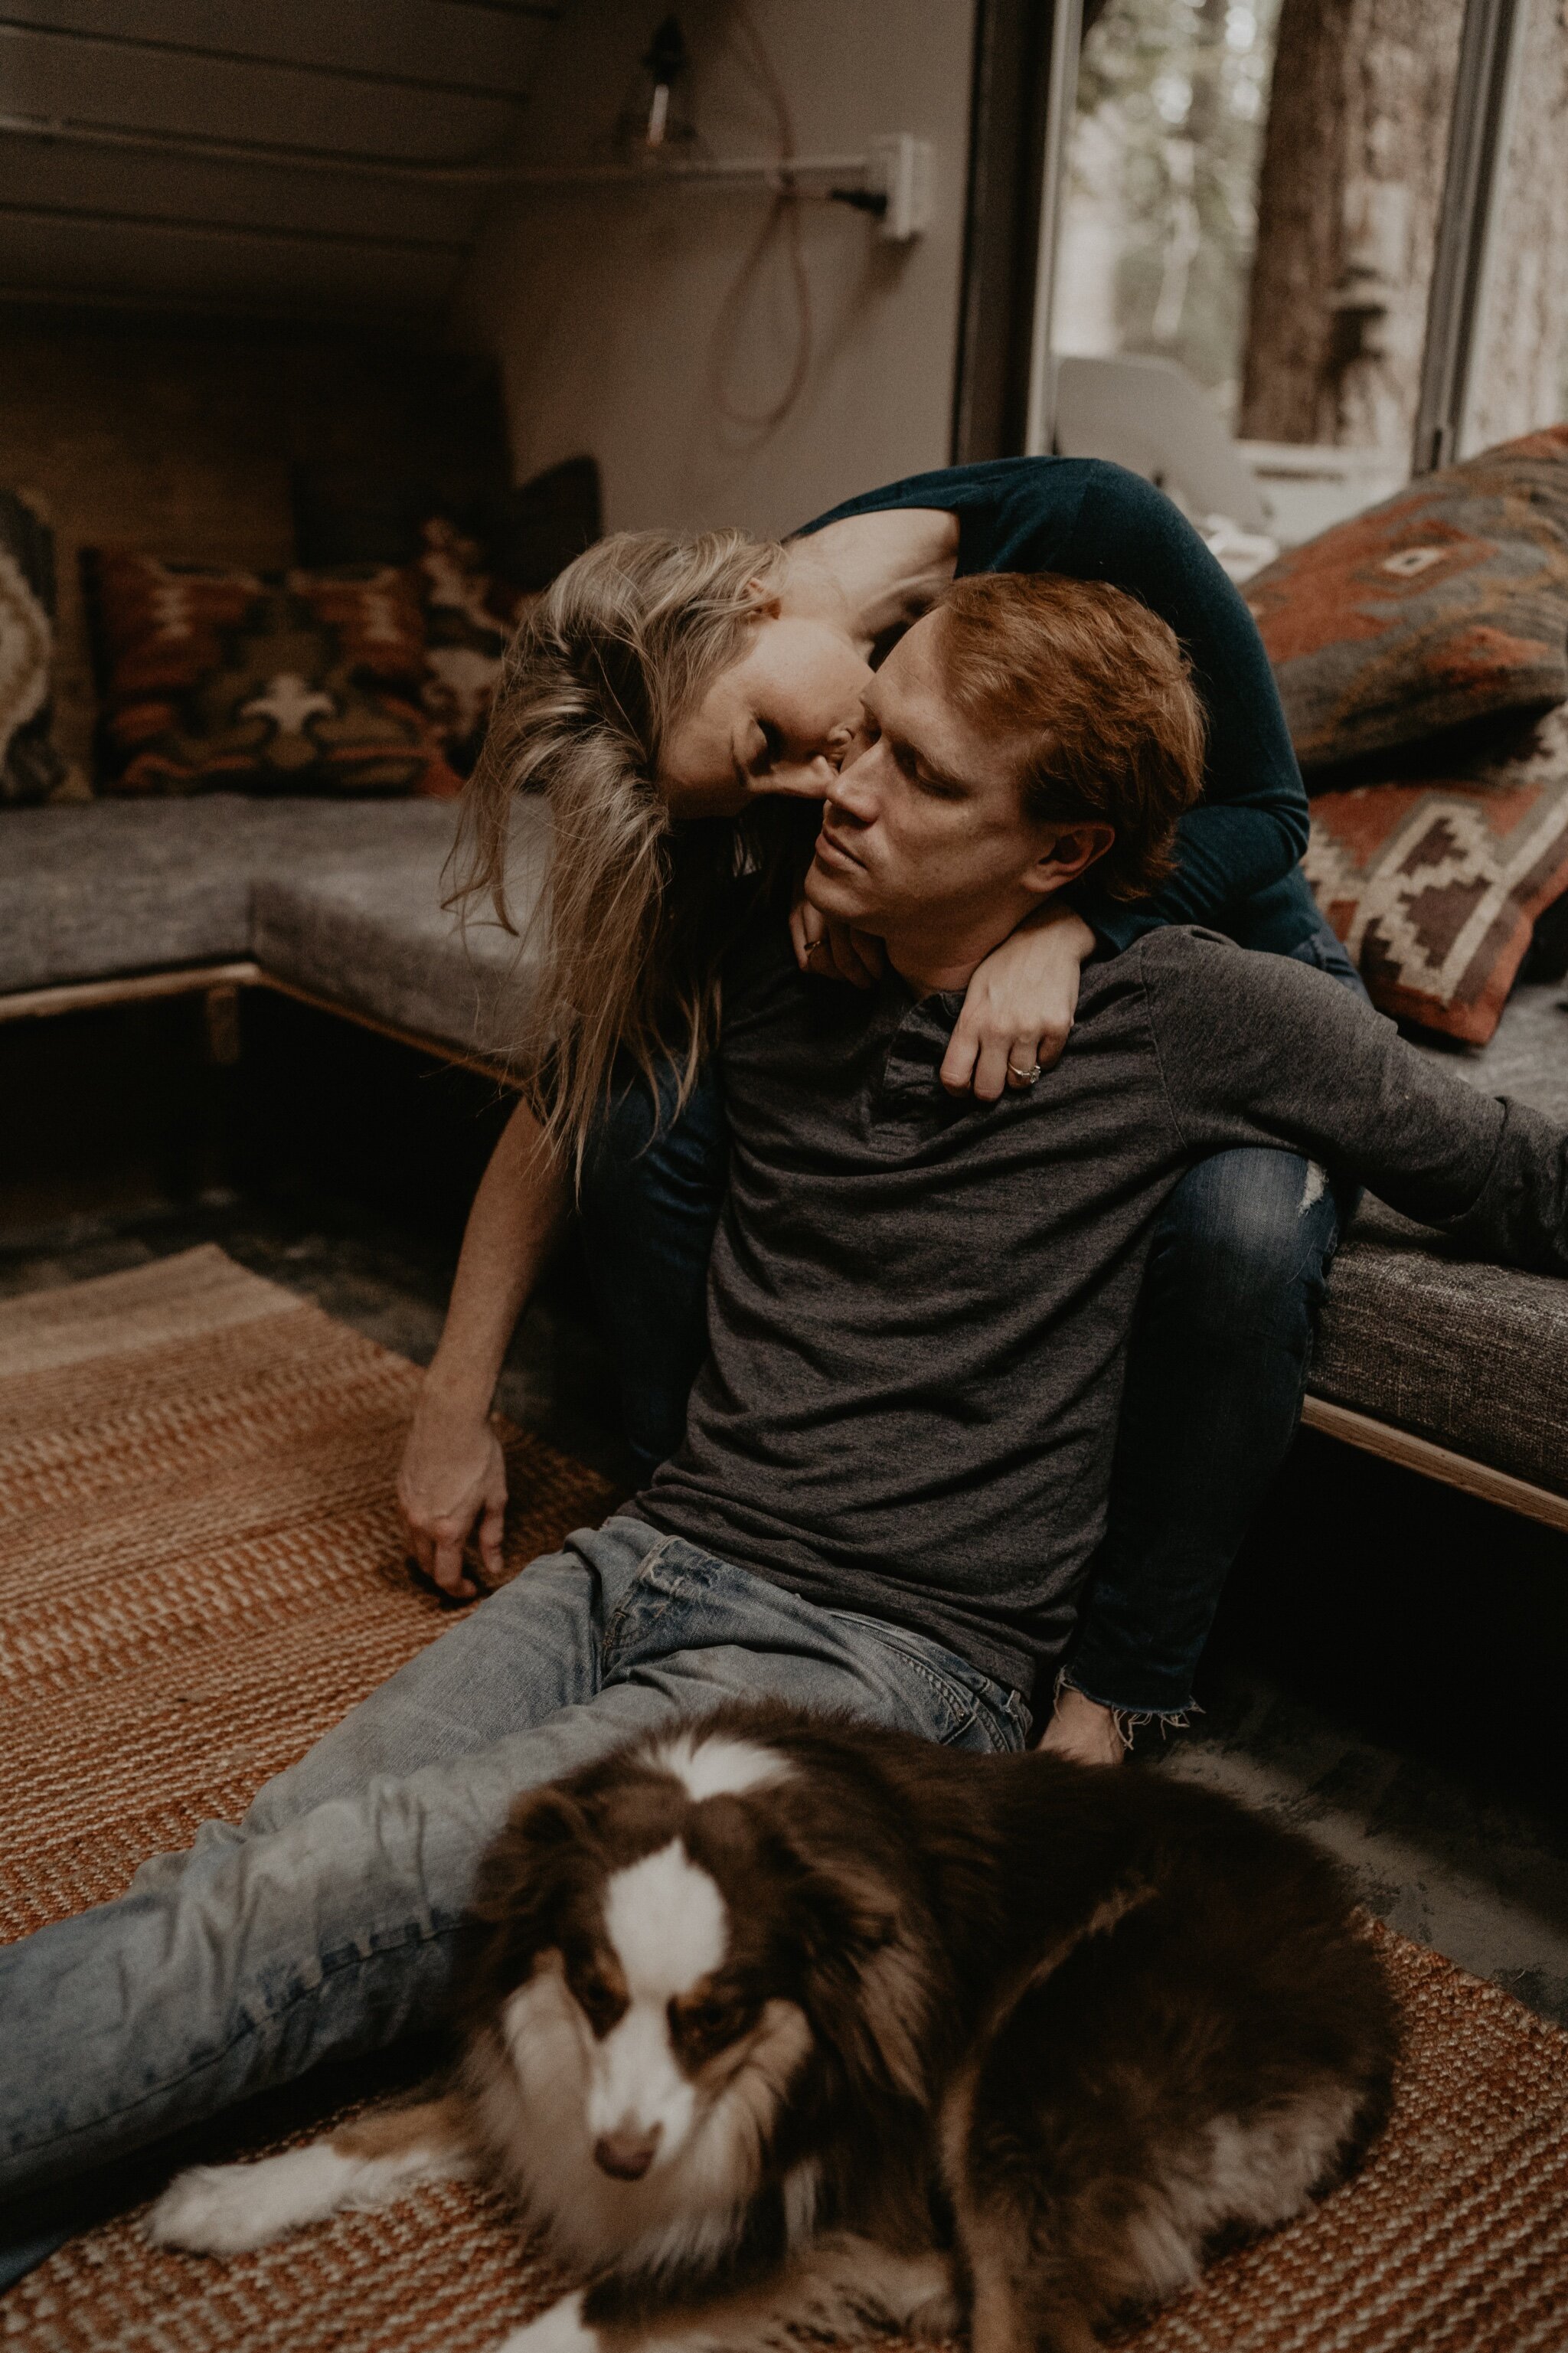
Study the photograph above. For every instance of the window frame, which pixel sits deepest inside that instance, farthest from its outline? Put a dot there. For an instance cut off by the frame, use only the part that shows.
(1025, 80)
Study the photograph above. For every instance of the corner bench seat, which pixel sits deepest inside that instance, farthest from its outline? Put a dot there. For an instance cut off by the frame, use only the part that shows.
(336, 900)
(339, 902)
(1468, 1357)
(367, 933)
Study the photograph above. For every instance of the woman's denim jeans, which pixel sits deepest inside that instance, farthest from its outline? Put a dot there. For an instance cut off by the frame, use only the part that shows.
(1214, 1377)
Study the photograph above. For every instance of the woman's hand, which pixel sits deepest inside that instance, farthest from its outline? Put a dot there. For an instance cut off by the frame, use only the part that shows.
(1019, 1007)
(452, 1475)
(832, 950)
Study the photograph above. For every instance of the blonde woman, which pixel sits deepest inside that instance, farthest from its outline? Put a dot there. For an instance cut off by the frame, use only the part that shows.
(683, 703)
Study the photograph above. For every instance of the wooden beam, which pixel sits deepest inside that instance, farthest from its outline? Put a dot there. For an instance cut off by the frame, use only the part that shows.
(197, 980)
(82, 996)
(1433, 1461)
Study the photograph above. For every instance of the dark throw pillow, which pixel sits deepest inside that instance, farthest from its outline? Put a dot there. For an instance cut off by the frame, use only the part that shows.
(1434, 884)
(347, 512)
(261, 682)
(480, 556)
(468, 618)
(1445, 604)
(31, 770)
(533, 531)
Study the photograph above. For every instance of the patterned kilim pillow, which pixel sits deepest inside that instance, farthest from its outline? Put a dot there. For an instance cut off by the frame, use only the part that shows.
(1444, 604)
(30, 767)
(261, 682)
(1434, 886)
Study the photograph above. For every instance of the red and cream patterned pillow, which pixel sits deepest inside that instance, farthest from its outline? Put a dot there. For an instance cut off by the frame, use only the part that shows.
(1433, 885)
(1445, 604)
(31, 770)
(261, 682)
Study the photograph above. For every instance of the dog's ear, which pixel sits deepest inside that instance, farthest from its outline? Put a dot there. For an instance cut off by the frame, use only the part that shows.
(543, 1821)
(514, 1912)
(523, 1872)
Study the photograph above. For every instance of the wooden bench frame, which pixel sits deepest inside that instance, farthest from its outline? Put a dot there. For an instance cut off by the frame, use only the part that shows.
(219, 983)
(1434, 1461)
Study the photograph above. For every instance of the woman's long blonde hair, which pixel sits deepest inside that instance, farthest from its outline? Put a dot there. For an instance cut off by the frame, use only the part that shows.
(621, 645)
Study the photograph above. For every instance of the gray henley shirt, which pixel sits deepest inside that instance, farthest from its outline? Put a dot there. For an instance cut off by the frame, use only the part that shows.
(919, 1307)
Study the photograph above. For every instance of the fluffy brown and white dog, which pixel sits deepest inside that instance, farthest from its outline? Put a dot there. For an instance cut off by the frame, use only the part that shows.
(777, 2024)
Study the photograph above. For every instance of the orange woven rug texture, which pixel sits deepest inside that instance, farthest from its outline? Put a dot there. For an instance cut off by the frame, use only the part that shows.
(200, 1570)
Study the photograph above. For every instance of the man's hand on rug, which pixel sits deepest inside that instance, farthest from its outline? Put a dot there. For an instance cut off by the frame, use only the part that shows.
(451, 1490)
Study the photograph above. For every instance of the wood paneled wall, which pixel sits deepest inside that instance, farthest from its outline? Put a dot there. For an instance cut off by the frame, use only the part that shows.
(411, 81)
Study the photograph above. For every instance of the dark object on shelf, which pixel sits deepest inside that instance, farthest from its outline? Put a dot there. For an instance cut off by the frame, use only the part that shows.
(348, 513)
(657, 114)
(863, 200)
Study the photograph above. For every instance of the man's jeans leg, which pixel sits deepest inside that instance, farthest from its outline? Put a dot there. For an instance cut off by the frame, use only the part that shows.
(327, 1929)
(323, 1926)
(530, 1649)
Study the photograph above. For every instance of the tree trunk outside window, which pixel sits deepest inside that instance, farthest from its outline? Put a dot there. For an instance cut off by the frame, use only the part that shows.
(1348, 198)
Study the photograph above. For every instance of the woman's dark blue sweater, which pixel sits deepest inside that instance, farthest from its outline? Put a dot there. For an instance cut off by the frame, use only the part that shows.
(1239, 850)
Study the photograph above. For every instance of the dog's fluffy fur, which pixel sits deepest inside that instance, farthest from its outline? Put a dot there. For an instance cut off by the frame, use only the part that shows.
(781, 2025)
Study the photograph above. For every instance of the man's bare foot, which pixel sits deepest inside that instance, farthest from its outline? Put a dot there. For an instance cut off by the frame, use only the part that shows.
(1082, 1731)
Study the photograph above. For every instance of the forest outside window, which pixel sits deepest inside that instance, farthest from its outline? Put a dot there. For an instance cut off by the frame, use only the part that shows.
(1254, 190)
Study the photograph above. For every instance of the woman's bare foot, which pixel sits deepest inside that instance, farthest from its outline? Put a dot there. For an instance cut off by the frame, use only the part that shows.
(1082, 1731)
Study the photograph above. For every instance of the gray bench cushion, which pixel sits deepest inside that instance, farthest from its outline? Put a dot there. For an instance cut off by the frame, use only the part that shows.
(1471, 1356)
(118, 887)
(341, 897)
(370, 933)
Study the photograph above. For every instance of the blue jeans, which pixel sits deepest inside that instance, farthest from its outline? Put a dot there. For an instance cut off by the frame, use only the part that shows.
(1215, 1376)
(323, 1927)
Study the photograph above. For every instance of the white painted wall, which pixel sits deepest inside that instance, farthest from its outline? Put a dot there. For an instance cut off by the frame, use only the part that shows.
(605, 305)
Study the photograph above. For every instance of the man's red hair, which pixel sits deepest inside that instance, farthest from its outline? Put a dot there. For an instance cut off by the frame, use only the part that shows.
(1102, 689)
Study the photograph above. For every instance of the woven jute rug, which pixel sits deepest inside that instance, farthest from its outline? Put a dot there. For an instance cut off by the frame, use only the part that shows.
(200, 1570)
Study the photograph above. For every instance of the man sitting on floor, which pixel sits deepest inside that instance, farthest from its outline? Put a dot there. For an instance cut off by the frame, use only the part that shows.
(897, 1455)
